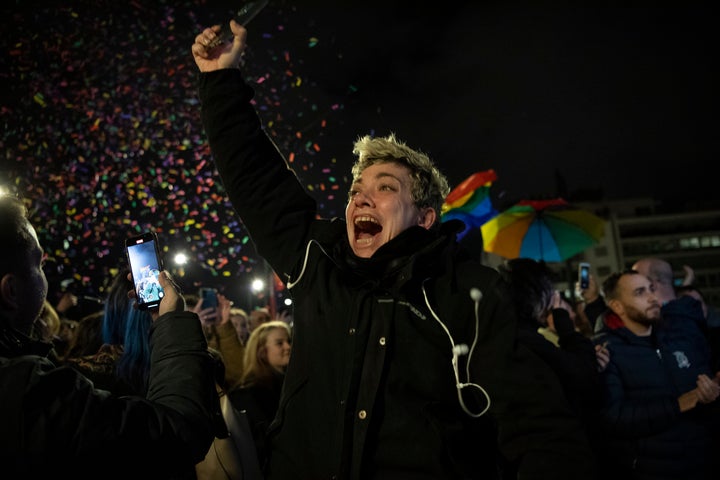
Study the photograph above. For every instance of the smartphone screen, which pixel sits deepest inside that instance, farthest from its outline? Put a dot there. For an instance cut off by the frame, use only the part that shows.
(145, 265)
(584, 275)
(209, 298)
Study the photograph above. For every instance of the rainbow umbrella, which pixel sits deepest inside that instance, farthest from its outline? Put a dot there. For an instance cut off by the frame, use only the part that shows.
(470, 201)
(548, 230)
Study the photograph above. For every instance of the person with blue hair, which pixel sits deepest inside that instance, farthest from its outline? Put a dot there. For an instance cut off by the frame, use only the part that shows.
(122, 364)
(55, 422)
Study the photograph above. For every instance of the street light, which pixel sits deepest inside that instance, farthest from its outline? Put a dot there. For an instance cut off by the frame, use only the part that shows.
(257, 285)
(180, 259)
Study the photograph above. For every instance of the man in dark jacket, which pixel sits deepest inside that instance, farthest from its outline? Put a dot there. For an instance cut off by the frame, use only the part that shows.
(661, 403)
(54, 423)
(405, 363)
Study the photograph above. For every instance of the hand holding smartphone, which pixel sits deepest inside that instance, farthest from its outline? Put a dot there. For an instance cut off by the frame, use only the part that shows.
(584, 275)
(209, 298)
(145, 263)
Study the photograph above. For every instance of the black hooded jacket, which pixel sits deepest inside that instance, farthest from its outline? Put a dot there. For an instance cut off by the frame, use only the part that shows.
(370, 391)
(54, 423)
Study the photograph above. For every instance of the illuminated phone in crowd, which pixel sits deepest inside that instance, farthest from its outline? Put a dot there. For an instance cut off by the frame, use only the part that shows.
(209, 298)
(584, 275)
(143, 255)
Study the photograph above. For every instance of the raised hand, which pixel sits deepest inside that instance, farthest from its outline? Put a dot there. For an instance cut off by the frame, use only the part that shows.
(225, 55)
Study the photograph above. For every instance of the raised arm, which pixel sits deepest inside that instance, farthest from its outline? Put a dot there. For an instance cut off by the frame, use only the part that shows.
(264, 191)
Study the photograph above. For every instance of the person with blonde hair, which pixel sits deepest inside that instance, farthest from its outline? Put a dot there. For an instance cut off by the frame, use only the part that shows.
(47, 326)
(402, 338)
(239, 319)
(267, 354)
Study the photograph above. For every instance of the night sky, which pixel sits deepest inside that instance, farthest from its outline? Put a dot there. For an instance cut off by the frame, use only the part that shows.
(101, 128)
(618, 101)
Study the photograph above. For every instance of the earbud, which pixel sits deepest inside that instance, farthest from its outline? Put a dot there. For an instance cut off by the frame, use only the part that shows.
(461, 349)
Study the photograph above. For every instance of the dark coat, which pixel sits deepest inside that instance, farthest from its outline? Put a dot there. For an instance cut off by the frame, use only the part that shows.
(260, 402)
(53, 423)
(645, 434)
(574, 362)
(370, 390)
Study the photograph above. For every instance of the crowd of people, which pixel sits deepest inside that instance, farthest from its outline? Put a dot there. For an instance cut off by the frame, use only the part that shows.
(406, 357)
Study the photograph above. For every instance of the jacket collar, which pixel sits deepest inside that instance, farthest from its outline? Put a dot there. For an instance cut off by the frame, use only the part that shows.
(396, 262)
(14, 343)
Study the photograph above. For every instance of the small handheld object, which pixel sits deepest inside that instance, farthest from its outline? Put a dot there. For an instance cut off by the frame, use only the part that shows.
(243, 17)
(209, 298)
(145, 263)
(584, 275)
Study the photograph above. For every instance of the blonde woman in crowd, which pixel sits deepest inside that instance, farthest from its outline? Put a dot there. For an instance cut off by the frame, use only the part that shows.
(267, 354)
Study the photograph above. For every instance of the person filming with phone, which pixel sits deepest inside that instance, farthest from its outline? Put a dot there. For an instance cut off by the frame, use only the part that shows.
(404, 361)
(54, 423)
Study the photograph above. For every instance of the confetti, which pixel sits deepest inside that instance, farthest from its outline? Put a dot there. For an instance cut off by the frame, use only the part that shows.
(103, 139)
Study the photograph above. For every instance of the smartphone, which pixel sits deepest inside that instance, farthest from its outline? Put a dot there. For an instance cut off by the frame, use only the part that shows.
(243, 17)
(584, 275)
(209, 298)
(143, 255)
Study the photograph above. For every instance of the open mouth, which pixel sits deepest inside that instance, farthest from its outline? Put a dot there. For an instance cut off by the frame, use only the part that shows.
(366, 228)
